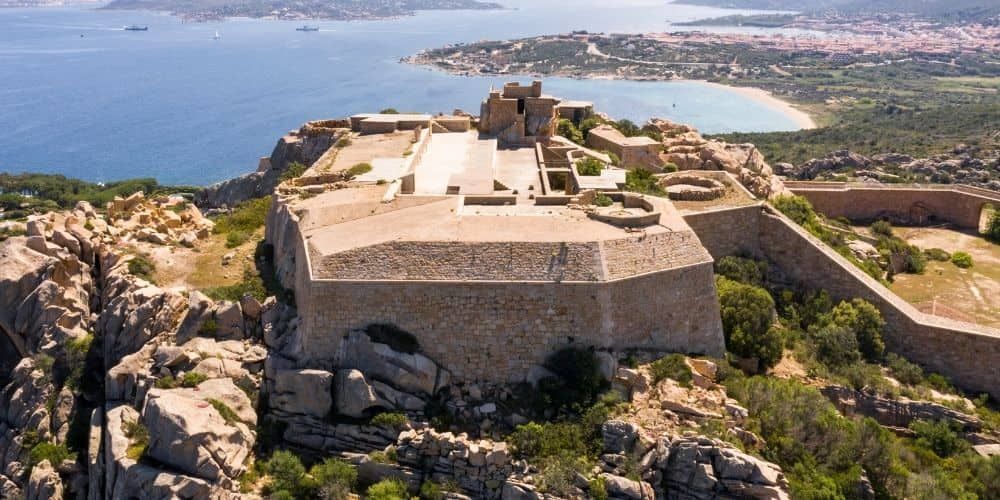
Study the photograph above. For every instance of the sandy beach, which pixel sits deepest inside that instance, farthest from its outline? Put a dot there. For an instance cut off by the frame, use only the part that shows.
(801, 118)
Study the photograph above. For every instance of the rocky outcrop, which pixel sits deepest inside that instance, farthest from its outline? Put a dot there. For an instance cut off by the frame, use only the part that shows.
(688, 150)
(304, 146)
(44, 483)
(898, 413)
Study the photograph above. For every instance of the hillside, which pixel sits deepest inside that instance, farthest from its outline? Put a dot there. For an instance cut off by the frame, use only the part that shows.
(922, 7)
(305, 9)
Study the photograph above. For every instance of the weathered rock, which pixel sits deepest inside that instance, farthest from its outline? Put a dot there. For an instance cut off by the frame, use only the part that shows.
(620, 487)
(893, 412)
(229, 318)
(44, 483)
(413, 373)
(353, 396)
(619, 436)
(306, 392)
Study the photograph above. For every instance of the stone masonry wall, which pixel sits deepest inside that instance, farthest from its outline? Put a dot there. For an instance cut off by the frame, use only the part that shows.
(965, 353)
(495, 331)
(905, 205)
(728, 231)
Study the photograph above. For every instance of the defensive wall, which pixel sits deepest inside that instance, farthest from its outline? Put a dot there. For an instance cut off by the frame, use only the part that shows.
(966, 353)
(962, 206)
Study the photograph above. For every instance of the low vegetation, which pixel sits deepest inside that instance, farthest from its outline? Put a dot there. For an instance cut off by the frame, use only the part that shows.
(387, 489)
(286, 477)
(138, 436)
(243, 221)
(225, 411)
(389, 420)
(359, 169)
(961, 259)
(293, 170)
(672, 366)
(603, 200)
(642, 181)
(589, 166)
(252, 284)
(141, 266)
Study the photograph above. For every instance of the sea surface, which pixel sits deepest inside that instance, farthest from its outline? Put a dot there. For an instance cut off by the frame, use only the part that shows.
(81, 97)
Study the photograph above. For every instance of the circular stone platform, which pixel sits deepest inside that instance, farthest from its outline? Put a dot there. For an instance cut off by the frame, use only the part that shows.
(692, 188)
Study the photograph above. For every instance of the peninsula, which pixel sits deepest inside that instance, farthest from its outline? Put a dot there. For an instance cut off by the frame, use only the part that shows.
(296, 10)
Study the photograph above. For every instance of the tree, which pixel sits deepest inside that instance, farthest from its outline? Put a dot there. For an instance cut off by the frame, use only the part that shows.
(865, 321)
(796, 208)
(566, 129)
(836, 346)
(627, 127)
(747, 314)
(993, 228)
(746, 271)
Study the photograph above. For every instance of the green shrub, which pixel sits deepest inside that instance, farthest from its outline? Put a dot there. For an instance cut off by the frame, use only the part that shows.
(671, 167)
(643, 181)
(961, 259)
(578, 380)
(167, 382)
(567, 129)
(628, 128)
(937, 254)
(430, 490)
(334, 479)
(597, 488)
(224, 410)
(387, 489)
(865, 320)
(743, 270)
(589, 124)
(534, 441)
(387, 456)
(389, 111)
(211, 325)
(993, 227)
(747, 314)
(396, 338)
(882, 228)
(359, 169)
(938, 437)
(141, 267)
(246, 217)
(395, 421)
(903, 370)
(796, 208)
(252, 284)
(344, 142)
(836, 346)
(603, 200)
(672, 366)
(293, 170)
(589, 166)
(138, 437)
(558, 473)
(54, 453)
(192, 379)
(286, 472)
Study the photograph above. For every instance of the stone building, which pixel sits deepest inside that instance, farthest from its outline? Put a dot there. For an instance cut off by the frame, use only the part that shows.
(640, 151)
(476, 251)
(518, 115)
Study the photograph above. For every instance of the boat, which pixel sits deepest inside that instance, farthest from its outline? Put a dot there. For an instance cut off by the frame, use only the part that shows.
(216, 36)
(133, 27)
(306, 27)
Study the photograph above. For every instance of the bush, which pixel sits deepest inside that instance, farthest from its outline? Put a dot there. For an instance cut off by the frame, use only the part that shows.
(628, 128)
(937, 254)
(938, 437)
(247, 216)
(224, 410)
(252, 284)
(334, 479)
(359, 169)
(597, 488)
(141, 267)
(642, 181)
(430, 490)
(746, 271)
(558, 473)
(603, 200)
(589, 166)
(534, 441)
(293, 170)
(387, 489)
(54, 453)
(589, 124)
(286, 472)
(993, 227)
(389, 111)
(672, 366)
(882, 228)
(903, 370)
(796, 208)
(344, 142)
(138, 436)
(578, 378)
(865, 321)
(961, 259)
(836, 346)
(192, 379)
(747, 314)
(167, 382)
(567, 129)
(396, 338)
(395, 421)
(387, 456)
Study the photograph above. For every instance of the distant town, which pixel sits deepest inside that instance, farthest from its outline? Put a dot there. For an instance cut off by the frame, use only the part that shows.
(296, 10)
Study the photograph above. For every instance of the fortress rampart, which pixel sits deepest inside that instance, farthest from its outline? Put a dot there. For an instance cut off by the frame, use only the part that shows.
(964, 352)
(961, 206)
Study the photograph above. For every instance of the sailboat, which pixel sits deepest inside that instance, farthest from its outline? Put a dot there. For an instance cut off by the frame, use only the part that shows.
(216, 36)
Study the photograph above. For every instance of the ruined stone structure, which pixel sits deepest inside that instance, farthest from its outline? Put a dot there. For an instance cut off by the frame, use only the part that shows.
(640, 151)
(518, 115)
(482, 254)
(961, 206)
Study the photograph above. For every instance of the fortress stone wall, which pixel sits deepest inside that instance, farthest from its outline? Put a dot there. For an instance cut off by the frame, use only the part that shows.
(495, 331)
(965, 353)
(959, 205)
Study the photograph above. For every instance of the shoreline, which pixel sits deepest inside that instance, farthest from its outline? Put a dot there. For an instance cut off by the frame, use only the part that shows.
(802, 119)
(761, 96)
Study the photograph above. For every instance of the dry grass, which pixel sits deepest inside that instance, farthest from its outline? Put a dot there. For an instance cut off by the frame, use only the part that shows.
(947, 290)
(201, 267)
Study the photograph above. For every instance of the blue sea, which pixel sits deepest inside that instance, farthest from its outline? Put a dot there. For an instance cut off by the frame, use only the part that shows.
(82, 97)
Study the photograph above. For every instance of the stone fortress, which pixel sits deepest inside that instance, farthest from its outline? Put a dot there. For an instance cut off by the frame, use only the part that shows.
(480, 236)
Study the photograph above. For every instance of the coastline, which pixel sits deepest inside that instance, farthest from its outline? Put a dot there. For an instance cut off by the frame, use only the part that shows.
(801, 118)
